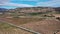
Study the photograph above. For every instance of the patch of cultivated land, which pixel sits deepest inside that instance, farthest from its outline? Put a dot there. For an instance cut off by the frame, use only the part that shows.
(20, 21)
(8, 29)
(46, 26)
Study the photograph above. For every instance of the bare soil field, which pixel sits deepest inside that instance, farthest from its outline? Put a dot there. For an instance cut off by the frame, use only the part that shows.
(20, 21)
(56, 15)
(47, 26)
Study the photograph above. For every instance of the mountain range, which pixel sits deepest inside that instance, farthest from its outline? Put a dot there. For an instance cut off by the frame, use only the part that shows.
(31, 9)
(3, 9)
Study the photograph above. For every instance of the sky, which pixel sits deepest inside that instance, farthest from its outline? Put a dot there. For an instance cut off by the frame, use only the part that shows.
(11, 4)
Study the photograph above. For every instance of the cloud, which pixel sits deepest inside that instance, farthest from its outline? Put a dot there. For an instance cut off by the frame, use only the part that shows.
(16, 5)
(25, 0)
(8, 3)
(4, 1)
(52, 3)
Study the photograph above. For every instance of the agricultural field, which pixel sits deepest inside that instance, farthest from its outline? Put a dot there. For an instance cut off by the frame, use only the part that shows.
(20, 21)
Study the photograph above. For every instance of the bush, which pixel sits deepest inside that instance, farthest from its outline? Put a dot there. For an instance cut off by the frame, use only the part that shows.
(35, 13)
(58, 18)
(49, 16)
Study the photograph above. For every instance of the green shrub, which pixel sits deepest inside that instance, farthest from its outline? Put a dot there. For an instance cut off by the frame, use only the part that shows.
(58, 18)
(35, 13)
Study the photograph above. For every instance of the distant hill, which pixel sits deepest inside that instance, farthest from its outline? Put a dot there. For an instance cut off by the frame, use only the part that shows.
(37, 9)
(57, 9)
(2, 9)
(34, 10)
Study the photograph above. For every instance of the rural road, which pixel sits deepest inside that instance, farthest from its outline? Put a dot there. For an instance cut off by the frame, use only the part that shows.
(25, 29)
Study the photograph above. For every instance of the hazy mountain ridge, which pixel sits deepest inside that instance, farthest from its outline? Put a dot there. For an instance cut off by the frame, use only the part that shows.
(37, 9)
(3, 9)
(32, 9)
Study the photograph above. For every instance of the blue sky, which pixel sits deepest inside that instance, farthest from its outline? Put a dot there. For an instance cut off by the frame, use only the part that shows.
(28, 3)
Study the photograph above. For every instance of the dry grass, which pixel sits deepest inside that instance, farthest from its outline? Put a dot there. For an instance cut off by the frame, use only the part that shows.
(8, 29)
